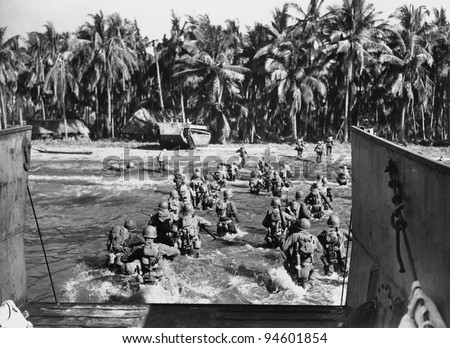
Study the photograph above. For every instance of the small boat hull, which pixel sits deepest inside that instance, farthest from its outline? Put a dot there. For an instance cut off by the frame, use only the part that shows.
(178, 135)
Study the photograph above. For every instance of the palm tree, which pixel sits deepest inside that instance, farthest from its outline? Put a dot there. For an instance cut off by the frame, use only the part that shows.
(409, 62)
(255, 91)
(291, 66)
(113, 57)
(36, 48)
(215, 86)
(352, 25)
(10, 66)
(441, 74)
(61, 79)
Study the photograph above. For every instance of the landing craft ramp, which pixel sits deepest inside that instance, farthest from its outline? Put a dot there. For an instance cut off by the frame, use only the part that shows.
(51, 315)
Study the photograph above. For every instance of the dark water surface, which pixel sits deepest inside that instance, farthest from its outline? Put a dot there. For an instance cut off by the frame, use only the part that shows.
(76, 206)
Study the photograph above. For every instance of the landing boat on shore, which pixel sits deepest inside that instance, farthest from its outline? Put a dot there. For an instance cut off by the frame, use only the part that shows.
(182, 135)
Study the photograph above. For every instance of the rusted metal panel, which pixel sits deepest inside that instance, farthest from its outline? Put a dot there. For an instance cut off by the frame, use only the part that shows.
(426, 193)
(13, 181)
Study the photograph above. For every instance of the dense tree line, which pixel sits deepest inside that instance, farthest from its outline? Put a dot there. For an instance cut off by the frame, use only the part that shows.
(313, 71)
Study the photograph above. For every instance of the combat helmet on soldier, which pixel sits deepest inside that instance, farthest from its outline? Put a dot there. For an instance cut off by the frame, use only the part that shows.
(130, 225)
(333, 221)
(174, 194)
(227, 194)
(276, 202)
(149, 232)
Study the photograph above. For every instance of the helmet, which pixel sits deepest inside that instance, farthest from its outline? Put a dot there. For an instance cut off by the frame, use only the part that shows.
(149, 232)
(305, 224)
(227, 193)
(299, 195)
(276, 202)
(174, 194)
(130, 225)
(333, 221)
(163, 205)
(188, 208)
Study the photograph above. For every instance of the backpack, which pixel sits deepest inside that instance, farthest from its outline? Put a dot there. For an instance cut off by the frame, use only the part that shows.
(187, 225)
(151, 254)
(307, 245)
(276, 225)
(295, 208)
(221, 209)
(116, 240)
(196, 184)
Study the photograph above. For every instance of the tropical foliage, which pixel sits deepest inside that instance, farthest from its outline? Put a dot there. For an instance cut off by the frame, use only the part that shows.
(313, 71)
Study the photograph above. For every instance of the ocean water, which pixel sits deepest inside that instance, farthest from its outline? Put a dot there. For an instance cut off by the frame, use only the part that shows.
(77, 205)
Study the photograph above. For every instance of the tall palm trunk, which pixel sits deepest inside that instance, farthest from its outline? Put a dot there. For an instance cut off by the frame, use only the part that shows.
(64, 118)
(43, 109)
(413, 113)
(448, 121)
(3, 107)
(347, 98)
(182, 108)
(97, 130)
(402, 124)
(109, 123)
(294, 125)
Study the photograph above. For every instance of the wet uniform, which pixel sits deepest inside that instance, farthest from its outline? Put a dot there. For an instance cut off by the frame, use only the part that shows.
(297, 250)
(227, 214)
(333, 258)
(274, 222)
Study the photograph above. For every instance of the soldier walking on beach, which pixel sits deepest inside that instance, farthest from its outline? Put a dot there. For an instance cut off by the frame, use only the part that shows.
(243, 155)
(299, 147)
(329, 145)
(319, 151)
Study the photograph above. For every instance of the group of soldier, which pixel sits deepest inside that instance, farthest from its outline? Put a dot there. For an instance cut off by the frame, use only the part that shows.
(175, 228)
(319, 150)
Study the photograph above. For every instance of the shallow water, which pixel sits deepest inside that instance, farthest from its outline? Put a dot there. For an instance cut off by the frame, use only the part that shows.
(77, 205)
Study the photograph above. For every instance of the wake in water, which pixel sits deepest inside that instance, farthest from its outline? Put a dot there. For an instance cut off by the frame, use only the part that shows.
(101, 285)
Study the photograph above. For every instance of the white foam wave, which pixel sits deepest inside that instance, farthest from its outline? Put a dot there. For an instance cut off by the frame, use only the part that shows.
(284, 281)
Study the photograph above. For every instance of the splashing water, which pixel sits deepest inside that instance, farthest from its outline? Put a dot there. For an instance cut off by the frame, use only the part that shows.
(75, 213)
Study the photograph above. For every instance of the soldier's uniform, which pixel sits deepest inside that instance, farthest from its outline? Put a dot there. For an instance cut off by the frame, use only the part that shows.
(297, 249)
(332, 241)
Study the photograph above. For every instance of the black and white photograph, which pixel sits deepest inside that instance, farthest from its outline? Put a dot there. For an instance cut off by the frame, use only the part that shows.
(225, 165)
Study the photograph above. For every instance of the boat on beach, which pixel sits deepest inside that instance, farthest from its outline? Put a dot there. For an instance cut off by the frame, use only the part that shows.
(159, 125)
(182, 135)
